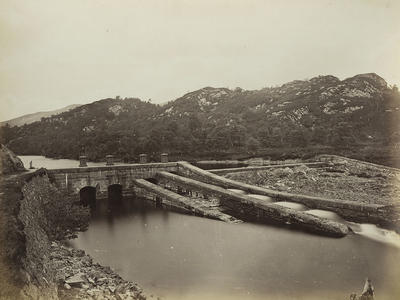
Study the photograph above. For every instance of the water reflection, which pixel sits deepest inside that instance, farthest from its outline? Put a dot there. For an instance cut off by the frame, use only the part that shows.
(184, 257)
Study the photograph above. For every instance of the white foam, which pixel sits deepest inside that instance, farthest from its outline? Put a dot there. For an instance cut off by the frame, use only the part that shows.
(261, 197)
(292, 205)
(375, 233)
(237, 191)
(324, 214)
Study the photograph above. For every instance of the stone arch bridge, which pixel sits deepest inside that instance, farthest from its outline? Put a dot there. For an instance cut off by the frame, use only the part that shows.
(73, 180)
(102, 181)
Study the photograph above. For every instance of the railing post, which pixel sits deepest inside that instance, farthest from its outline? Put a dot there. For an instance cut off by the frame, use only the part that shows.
(164, 157)
(109, 160)
(82, 161)
(142, 158)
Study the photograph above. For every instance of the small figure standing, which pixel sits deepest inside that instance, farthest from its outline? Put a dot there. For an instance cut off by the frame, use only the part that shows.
(368, 291)
(31, 165)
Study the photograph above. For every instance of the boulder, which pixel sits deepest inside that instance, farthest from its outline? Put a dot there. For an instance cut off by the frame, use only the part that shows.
(9, 162)
(76, 279)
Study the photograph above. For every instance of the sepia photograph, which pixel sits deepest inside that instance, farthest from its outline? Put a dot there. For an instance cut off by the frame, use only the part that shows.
(199, 149)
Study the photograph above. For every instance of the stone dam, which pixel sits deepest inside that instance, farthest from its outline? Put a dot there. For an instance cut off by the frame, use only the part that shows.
(172, 184)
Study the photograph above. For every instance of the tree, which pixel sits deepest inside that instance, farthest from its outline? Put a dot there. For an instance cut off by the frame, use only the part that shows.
(252, 145)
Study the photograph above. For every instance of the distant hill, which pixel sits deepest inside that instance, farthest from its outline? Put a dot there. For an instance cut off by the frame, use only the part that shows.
(30, 118)
(358, 117)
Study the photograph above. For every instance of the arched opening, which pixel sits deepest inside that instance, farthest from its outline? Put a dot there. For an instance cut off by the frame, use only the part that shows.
(114, 194)
(87, 196)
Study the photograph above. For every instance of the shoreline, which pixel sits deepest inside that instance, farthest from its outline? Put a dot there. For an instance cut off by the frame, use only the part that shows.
(76, 276)
(42, 267)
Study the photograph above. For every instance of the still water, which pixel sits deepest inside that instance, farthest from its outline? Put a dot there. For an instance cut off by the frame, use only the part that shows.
(49, 163)
(178, 256)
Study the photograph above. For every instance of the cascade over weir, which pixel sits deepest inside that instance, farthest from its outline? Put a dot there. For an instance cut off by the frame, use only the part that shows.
(164, 183)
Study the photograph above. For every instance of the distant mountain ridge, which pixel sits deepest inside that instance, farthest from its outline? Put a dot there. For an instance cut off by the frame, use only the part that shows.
(30, 118)
(360, 113)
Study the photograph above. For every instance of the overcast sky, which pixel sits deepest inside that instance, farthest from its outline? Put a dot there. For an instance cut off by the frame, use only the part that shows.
(55, 53)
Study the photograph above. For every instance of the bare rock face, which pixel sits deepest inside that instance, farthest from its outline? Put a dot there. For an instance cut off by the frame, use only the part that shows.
(9, 162)
(367, 293)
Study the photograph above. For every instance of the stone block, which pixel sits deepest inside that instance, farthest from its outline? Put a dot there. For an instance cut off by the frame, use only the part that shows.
(143, 158)
(82, 161)
(164, 157)
(109, 160)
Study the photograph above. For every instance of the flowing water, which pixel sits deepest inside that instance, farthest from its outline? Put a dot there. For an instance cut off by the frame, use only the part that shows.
(261, 197)
(178, 256)
(292, 205)
(237, 191)
(324, 214)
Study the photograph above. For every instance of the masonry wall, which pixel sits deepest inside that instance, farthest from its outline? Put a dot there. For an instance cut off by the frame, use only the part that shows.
(245, 207)
(37, 260)
(358, 212)
(73, 179)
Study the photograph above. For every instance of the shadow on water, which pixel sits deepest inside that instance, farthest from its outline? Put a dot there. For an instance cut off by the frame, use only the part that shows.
(118, 207)
(87, 197)
(180, 256)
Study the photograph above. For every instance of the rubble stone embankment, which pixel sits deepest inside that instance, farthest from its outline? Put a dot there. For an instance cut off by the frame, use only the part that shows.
(78, 277)
(47, 268)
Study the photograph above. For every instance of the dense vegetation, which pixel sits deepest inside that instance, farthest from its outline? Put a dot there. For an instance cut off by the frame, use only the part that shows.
(358, 116)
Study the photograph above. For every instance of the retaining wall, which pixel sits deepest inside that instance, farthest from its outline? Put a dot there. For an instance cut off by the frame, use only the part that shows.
(246, 207)
(37, 261)
(379, 214)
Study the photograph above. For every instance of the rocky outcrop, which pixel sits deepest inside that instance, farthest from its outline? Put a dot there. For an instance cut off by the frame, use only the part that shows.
(367, 293)
(320, 115)
(9, 162)
(78, 277)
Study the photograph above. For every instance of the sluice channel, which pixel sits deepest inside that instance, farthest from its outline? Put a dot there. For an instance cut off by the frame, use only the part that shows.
(370, 231)
(181, 256)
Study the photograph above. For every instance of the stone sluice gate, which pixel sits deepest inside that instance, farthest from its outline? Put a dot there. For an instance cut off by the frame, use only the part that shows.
(349, 210)
(249, 208)
(163, 182)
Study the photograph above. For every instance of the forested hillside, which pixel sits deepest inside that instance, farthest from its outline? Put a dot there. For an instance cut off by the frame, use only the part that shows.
(358, 116)
(37, 116)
